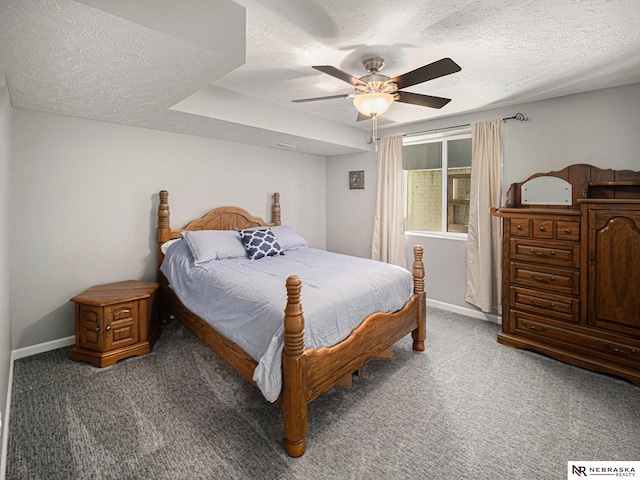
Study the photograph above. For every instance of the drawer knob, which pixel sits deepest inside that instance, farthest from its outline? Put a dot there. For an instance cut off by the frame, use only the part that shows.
(543, 254)
(619, 350)
(567, 230)
(542, 229)
(519, 227)
(533, 327)
(543, 279)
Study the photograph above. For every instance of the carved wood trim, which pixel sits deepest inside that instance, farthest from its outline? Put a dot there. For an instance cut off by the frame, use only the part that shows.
(221, 218)
(578, 175)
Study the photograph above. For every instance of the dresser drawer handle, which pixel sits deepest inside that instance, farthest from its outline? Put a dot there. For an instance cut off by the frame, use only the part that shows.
(567, 230)
(543, 254)
(543, 279)
(542, 305)
(519, 227)
(542, 229)
(619, 350)
(533, 327)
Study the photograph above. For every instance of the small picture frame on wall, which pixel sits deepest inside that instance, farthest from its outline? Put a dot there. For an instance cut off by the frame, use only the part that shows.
(356, 180)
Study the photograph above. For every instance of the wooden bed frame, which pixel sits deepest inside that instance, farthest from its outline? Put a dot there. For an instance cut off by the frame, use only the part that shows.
(306, 373)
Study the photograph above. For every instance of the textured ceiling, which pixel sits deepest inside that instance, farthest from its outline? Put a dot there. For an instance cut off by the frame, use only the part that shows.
(145, 63)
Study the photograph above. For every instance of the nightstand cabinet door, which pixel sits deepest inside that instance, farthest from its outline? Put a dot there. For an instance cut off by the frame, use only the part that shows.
(90, 329)
(121, 325)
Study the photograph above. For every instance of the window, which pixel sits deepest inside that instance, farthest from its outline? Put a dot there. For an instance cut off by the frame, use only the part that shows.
(437, 180)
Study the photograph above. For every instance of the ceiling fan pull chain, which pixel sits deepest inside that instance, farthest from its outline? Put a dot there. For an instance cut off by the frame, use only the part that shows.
(375, 131)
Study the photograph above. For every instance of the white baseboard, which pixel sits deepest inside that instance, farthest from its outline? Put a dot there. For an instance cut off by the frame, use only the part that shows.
(15, 355)
(5, 424)
(469, 312)
(44, 347)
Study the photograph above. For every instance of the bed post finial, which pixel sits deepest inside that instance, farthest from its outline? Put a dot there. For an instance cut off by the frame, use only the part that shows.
(164, 230)
(418, 270)
(293, 317)
(275, 209)
(294, 369)
(420, 333)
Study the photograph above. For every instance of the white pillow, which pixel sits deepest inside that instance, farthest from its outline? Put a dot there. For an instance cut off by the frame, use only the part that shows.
(207, 245)
(288, 238)
(165, 246)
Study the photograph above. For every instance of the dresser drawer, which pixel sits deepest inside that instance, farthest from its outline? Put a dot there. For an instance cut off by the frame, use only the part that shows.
(543, 228)
(624, 351)
(564, 308)
(553, 279)
(520, 227)
(552, 253)
(566, 230)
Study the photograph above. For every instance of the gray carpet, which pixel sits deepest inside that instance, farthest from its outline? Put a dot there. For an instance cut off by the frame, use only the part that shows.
(467, 408)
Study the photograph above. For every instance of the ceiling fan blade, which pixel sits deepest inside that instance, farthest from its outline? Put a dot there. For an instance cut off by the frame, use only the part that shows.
(422, 100)
(335, 72)
(302, 100)
(442, 67)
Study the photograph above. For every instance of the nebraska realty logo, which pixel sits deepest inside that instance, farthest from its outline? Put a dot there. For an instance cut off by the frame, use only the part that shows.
(602, 469)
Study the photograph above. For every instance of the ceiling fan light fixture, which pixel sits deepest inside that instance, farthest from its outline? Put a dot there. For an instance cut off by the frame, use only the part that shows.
(373, 103)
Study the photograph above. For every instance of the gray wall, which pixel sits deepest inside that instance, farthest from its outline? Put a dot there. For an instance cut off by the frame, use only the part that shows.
(600, 127)
(5, 319)
(85, 195)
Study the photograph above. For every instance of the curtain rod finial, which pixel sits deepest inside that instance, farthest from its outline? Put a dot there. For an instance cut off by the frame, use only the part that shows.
(518, 116)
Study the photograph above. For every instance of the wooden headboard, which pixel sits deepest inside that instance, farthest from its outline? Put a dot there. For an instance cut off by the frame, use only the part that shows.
(222, 218)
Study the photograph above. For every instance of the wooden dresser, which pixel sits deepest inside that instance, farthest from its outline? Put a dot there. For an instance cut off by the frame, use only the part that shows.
(571, 269)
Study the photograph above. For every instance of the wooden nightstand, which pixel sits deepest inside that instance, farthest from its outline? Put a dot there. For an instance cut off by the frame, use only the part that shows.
(115, 321)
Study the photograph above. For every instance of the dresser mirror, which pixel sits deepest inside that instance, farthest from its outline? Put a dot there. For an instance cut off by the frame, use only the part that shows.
(546, 190)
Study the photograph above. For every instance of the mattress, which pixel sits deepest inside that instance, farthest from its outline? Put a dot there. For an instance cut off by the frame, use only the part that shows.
(244, 299)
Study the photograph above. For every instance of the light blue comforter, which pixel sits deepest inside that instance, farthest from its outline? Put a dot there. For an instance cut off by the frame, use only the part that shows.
(244, 300)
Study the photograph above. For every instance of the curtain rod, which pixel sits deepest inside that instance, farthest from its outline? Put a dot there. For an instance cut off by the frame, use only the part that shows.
(518, 116)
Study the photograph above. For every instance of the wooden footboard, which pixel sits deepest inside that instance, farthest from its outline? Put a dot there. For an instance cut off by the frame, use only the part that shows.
(306, 373)
(309, 373)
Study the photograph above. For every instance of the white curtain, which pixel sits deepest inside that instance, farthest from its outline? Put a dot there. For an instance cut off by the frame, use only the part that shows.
(484, 261)
(388, 227)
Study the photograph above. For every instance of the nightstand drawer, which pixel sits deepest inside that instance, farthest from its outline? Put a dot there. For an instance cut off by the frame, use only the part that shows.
(553, 279)
(542, 303)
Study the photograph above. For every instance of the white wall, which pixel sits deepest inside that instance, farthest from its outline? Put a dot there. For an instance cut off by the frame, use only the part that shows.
(600, 127)
(5, 319)
(85, 195)
(350, 224)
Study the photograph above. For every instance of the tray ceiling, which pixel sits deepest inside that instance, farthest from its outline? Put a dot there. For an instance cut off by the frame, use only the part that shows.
(229, 70)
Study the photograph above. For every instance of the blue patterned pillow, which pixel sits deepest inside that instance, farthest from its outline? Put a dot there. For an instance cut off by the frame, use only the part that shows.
(260, 243)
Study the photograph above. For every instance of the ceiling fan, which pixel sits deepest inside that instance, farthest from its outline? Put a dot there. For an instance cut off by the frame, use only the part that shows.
(374, 93)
